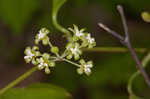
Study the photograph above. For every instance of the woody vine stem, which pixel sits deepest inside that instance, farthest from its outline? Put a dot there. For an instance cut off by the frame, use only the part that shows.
(126, 41)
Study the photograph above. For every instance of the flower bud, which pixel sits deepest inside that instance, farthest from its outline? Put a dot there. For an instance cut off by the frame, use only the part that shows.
(54, 49)
(47, 70)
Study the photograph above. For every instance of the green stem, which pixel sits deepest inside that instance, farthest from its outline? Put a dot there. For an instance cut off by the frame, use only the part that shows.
(71, 62)
(114, 50)
(56, 7)
(50, 44)
(18, 80)
(59, 27)
(144, 63)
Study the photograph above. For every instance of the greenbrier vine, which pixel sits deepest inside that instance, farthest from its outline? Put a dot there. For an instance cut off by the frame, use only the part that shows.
(78, 41)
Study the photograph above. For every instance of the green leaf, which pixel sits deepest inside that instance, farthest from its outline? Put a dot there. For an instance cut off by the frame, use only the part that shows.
(132, 96)
(37, 91)
(17, 13)
(47, 85)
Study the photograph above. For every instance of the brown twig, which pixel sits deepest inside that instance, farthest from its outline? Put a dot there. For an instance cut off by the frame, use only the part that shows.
(126, 41)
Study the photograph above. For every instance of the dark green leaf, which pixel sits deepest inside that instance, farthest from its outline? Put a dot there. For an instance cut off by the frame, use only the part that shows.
(37, 91)
(17, 13)
(132, 96)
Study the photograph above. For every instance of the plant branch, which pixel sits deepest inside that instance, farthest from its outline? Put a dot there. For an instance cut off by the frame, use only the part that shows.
(112, 32)
(139, 65)
(18, 80)
(126, 41)
(120, 10)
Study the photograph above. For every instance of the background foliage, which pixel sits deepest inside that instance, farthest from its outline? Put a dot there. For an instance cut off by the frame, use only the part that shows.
(21, 19)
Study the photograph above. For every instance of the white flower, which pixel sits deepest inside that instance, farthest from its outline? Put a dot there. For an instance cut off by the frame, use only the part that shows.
(78, 32)
(29, 54)
(90, 39)
(85, 67)
(42, 64)
(41, 35)
(74, 50)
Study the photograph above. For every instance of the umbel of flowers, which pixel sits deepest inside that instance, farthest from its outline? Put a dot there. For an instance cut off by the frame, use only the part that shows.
(80, 39)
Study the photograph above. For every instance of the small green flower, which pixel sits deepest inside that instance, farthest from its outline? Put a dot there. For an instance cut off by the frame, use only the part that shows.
(84, 37)
(73, 50)
(85, 67)
(31, 54)
(42, 36)
(78, 34)
(46, 57)
(44, 62)
(88, 41)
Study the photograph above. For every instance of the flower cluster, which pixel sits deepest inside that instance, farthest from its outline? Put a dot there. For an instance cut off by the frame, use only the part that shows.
(80, 39)
(83, 37)
(41, 60)
(33, 55)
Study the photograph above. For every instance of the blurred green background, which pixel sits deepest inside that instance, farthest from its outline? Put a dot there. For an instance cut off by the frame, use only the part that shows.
(20, 20)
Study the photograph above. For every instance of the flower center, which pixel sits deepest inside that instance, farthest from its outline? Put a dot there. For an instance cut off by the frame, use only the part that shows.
(41, 35)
